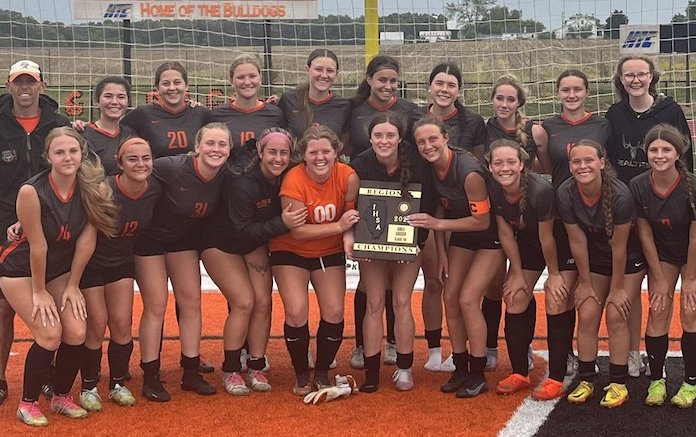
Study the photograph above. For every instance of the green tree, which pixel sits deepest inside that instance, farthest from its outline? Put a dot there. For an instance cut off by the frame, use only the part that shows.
(679, 18)
(467, 13)
(500, 20)
(690, 13)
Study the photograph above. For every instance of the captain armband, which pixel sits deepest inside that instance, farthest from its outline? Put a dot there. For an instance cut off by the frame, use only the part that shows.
(480, 207)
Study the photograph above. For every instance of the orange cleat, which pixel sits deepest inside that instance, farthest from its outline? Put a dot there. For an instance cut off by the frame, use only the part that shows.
(512, 384)
(549, 389)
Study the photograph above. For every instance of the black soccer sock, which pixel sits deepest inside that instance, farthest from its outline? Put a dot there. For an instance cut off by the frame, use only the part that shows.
(359, 308)
(558, 329)
(688, 344)
(517, 339)
(389, 307)
(404, 361)
(656, 347)
(68, 361)
(150, 371)
(233, 361)
(372, 365)
(89, 369)
(530, 320)
(618, 373)
(492, 311)
(119, 357)
(297, 342)
(256, 363)
(433, 338)
(586, 370)
(329, 339)
(190, 366)
(477, 365)
(461, 362)
(35, 371)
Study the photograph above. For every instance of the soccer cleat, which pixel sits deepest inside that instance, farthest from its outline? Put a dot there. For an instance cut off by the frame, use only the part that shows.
(685, 396)
(198, 384)
(434, 363)
(389, 353)
(456, 381)
(257, 381)
(512, 384)
(30, 414)
(473, 387)
(582, 393)
(154, 391)
(234, 384)
(491, 359)
(321, 380)
(64, 405)
(90, 400)
(122, 396)
(657, 393)
(403, 379)
(302, 386)
(635, 364)
(357, 358)
(549, 389)
(571, 364)
(617, 395)
(3, 391)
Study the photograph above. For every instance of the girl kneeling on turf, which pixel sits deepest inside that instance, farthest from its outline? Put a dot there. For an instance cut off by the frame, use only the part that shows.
(597, 210)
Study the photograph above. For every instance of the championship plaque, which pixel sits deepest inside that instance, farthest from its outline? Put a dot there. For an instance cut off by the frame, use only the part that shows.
(382, 232)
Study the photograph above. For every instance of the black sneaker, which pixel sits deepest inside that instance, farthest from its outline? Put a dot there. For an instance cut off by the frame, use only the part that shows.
(3, 391)
(199, 385)
(455, 382)
(474, 386)
(155, 391)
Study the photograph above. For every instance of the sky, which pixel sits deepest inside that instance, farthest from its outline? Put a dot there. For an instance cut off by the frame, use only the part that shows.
(549, 12)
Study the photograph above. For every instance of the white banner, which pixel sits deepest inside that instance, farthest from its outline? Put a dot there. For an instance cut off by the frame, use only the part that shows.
(639, 38)
(195, 10)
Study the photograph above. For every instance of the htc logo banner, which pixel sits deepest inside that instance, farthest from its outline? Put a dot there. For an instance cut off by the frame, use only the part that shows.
(117, 11)
(639, 39)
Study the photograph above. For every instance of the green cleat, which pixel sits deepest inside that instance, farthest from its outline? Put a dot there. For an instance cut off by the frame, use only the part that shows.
(90, 400)
(122, 396)
(657, 393)
(685, 396)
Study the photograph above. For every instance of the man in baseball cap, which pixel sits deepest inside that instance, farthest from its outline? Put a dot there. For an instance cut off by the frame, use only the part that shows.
(26, 117)
(25, 67)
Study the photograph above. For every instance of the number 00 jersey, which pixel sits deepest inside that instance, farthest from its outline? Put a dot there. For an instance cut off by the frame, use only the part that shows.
(325, 204)
(62, 221)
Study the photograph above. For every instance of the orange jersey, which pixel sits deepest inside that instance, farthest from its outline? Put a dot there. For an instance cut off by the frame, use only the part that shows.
(325, 204)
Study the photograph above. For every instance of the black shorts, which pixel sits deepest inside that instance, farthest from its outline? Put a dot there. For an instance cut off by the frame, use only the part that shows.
(474, 240)
(149, 246)
(632, 266)
(97, 277)
(311, 264)
(228, 246)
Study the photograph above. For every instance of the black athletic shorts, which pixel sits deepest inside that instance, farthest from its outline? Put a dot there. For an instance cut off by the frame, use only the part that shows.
(632, 266)
(149, 246)
(534, 259)
(311, 264)
(97, 277)
(474, 240)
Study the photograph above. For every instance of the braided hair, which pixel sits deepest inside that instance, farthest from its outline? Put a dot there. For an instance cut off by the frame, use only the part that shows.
(522, 155)
(672, 135)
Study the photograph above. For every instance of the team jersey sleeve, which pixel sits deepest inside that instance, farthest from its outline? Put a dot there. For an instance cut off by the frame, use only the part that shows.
(544, 202)
(242, 195)
(479, 134)
(636, 191)
(564, 203)
(624, 209)
(292, 186)
(163, 169)
(135, 119)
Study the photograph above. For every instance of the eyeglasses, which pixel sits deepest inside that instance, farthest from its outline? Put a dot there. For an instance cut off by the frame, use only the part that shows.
(641, 75)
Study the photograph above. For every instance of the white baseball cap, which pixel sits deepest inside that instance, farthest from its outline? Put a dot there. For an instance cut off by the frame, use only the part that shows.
(25, 66)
